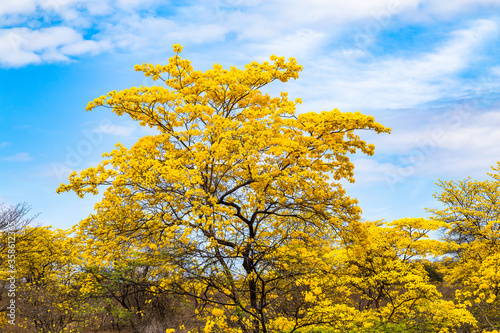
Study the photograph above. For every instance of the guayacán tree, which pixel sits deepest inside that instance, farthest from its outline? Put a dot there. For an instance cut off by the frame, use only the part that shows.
(49, 284)
(386, 276)
(44, 273)
(233, 182)
(472, 218)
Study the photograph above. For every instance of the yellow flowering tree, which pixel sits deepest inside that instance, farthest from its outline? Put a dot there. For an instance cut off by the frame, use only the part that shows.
(47, 276)
(384, 269)
(232, 177)
(472, 218)
(133, 295)
(44, 270)
(13, 219)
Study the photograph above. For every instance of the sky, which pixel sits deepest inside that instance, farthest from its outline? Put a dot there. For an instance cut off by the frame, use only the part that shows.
(428, 69)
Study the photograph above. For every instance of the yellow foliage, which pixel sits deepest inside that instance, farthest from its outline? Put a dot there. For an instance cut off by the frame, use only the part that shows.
(236, 201)
(472, 218)
(235, 198)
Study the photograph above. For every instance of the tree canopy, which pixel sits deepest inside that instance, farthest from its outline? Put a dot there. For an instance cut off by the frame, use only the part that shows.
(232, 177)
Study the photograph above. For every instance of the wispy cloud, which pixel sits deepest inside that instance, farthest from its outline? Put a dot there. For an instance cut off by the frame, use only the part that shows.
(431, 10)
(23, 46)
(38, 31)
(300, 44)
(4, 144)
(116, 129)
(401, 82)
(459, 145)
(19, 157)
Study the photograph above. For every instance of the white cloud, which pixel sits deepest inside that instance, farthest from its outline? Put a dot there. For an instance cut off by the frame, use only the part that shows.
(18, 7)
(368, 170)
(395, 82)
(455, 146)
(289, 27)
(145, 34)
(11, 52)
(299, 44)
(446, 9)
(461, 130)
(48, 38)
(296, 12)
(133, 4)
(85, 46)
(495, 70)
(337, 12)
(23, 46)
(98, 8)
(116, 130)
(19, 157)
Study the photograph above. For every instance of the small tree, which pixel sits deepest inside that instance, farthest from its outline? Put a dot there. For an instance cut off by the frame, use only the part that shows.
(472, 216)
(13, 223)
(13, 219)
(46, 294)
(388, 280)
(133, 295)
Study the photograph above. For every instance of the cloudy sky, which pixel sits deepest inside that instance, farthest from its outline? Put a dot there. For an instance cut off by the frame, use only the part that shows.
(428, 69)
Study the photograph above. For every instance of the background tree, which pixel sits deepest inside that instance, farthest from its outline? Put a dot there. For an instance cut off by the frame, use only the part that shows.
(14, 219)
(45, 268)
(13, 222)
(131, 292)
(472, 216)
(232, 177)
(386, 276)
(48, 278)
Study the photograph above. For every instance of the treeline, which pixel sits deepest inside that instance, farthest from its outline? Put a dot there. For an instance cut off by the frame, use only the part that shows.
(373, 277)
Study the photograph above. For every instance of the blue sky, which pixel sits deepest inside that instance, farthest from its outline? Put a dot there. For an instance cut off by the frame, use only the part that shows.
(430, 70)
